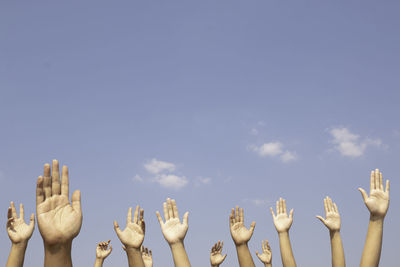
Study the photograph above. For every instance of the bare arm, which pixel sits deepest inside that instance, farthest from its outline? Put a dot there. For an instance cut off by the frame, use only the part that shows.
(377, 203)
(132, 236)
(19, 233)
(241, 236)
(174, 232)
(282, 223)
(59, 220)
(333, 223)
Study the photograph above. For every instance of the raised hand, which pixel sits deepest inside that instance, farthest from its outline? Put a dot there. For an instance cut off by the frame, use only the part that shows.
(240, 234)
(147, 256)
(216, 257)
(266, 256)
(378, 200)
(332, 221)
(133, 234)
(103, 250)
(173, 230)
(282, 221)
(18, 231)
(59, 220)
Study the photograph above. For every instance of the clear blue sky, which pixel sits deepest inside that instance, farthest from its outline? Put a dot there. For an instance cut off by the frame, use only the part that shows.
(225, 102)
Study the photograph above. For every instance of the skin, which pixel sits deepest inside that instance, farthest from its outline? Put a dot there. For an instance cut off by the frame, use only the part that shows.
(174, 232)
(377, 203)
(59, 220)
(332, 222)
(216, 257)
(241, 236)
(19, 233)
(102, 252)
(282, 223)
(266, 256)
(147, 256)
(132, 236)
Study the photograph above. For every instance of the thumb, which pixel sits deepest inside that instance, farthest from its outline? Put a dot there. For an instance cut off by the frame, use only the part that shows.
(363, 193)
(252, 226)
(116, 227)
(223, 258)
(258, 255)
(32, 221)
(186, 218)
(321, 219)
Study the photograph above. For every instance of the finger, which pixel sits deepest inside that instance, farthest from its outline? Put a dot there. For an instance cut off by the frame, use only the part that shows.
(76, 201)
(363, 193)
(117, 229)
(252, 226)
(166, 214)
(55, 178)
(330, 204)
(281, 205)
(241, 217)
(222, 244)
(170, 209)
(372, 181)
(9, 223)
(223, 257)
(141, 216)
(13, 210)
(151, 253)
(232, 217)
(277, 207)
(387, 186)
(284, 206)
(147, 251)
(321, 219)
(129, 216)
(21, 212)
(291, 214)
(124, 248)
(380, 181)
(376, 178)
(262, 245)
(237, 219)
(39, 191)
(9, 213)
(258, 255)
(65, 181)
(175, 210)
(46, 180)
(186, 218)
(136, 214)
(272, 212)
(326, 206)
(159, 218)
(110, 248)
(335, 208)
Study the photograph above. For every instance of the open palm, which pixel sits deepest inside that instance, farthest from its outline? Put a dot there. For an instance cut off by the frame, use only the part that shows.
(17, 229)
(216, 257)
(240, 234)
(282, 221)
(332, 220)
(133, 234)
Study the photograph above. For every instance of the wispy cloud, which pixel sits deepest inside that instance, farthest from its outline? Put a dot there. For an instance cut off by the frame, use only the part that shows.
(171, 181)
(274, 149)
(202, 181)
(257, 201)
(156, 166)
(349, 144)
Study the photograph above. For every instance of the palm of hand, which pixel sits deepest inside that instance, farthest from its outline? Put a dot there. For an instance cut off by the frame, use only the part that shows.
(378, 202)
(174, 231)
(147, 260)
(216, 258)
(102, 253)
(332, 221)
(132, 236)
(57, 220)
(265, 257)
(19, 231)
(282, 222)
(240, 233)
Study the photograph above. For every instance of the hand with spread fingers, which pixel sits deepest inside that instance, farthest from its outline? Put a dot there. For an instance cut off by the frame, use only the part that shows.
(216, 257)
(19, 233)
(59, 221)
(266, 256)
(147, 256)
(378, 204)
(282, 223)
(132, 236)
(174, 232)
(332, 222)
(241, 236)
(102, 251)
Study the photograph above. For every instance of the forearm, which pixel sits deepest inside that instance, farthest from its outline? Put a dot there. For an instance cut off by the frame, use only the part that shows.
(373, 244)
(286, 250)
(58, 255)
(244, 256)
(98, 262)
(268, 265)
(17, 255)
(179, 255)
(337, 249)
(134, 257)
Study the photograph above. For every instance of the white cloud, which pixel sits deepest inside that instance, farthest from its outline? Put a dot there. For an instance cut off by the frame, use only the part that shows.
(254, 131)
(171, 181)
(274, 149)
(202, 181)
(257, 202)
(138, 178)
(156, 166)
(288, 156)
(350, 144)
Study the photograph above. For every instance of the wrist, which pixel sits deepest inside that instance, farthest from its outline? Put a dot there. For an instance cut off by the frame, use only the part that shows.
(99, 260)
(268, 265)
(283, 233)
(244, 244)
(20, 245)
(374, 217)
(176, 245)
